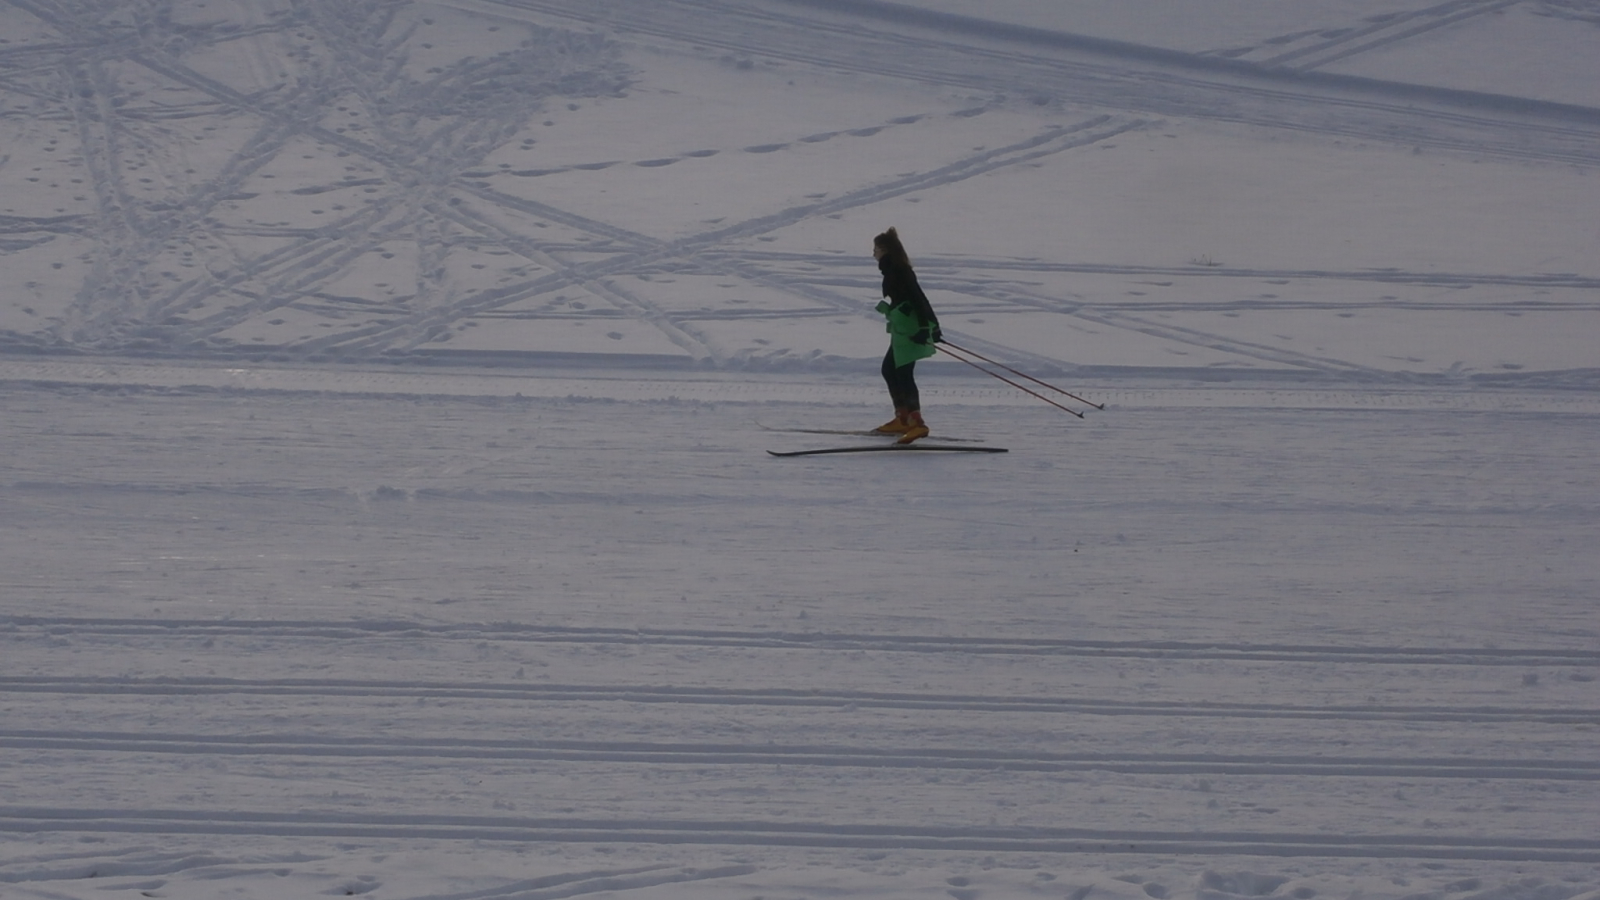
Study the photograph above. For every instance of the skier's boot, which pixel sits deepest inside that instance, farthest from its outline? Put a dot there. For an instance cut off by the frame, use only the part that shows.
(915, 428)
(897, 425)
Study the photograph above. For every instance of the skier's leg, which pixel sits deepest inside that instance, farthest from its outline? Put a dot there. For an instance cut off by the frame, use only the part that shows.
(907, 377)
(915, 427)
(891, 377)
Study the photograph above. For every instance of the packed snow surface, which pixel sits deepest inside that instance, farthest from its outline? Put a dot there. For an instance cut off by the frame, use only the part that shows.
(386, 386)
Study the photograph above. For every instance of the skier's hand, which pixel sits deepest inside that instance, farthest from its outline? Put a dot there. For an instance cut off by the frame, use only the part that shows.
(921, 337)
(938, 336)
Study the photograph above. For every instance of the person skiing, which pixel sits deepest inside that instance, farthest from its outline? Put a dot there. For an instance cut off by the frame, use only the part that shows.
(913, 331)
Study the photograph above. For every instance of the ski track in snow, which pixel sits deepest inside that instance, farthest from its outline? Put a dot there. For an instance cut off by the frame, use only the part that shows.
(797, 697)
(1305, 51)
(908, 643)
(428, 186)
(384, 614)
(782, 834)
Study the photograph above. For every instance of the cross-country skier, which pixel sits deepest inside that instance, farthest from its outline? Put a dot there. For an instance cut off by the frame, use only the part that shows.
(913, 330)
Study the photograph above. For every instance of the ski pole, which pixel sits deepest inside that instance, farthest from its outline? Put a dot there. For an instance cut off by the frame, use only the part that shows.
(953, 355)
(1024, 375)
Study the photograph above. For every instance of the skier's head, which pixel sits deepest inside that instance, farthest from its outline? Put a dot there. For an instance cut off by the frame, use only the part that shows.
(887, 246)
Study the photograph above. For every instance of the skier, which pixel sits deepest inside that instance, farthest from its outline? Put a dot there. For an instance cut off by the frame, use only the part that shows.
(913, 330)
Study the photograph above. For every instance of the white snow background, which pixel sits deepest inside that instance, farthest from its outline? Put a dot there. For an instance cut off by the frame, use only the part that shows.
(384, 387)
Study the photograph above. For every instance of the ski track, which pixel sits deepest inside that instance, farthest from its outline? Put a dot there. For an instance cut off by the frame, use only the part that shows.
(646, 754)
(194, 687)
(907, 643)
(1130, 81)
(847, 37)
(948, 269)
(679, 328)
(798, 835)
(1323, 46)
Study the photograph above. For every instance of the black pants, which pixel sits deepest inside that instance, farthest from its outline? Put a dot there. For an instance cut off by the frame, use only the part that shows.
(902, 383)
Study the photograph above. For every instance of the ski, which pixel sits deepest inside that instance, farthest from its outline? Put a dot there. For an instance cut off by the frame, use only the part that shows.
(892, 448)
(857, 433)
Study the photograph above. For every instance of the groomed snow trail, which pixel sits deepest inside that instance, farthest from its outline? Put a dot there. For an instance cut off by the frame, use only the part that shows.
(1165, 644)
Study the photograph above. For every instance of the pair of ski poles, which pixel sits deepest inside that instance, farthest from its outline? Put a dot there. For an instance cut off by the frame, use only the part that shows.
(956, 351)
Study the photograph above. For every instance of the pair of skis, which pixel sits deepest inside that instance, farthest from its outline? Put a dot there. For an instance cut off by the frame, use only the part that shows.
(965, 445)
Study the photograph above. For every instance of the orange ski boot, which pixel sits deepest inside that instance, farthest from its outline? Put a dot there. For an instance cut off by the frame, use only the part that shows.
(897, 425)
(915, 428)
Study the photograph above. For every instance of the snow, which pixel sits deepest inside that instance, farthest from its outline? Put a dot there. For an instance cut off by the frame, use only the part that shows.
(386, 389)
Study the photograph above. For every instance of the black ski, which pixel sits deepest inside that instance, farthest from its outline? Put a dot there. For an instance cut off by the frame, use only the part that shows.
(892, 448)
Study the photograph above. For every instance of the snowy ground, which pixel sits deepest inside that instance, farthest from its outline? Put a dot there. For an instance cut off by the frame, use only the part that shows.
(386, 510)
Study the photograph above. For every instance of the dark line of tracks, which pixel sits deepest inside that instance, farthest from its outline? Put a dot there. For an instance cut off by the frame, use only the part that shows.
(782, 698)
(966, 838)
(655, 754)
(1110, 74)
(819, 641)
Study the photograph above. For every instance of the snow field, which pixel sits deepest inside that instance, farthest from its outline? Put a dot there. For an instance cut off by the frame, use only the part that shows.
(385, 387)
